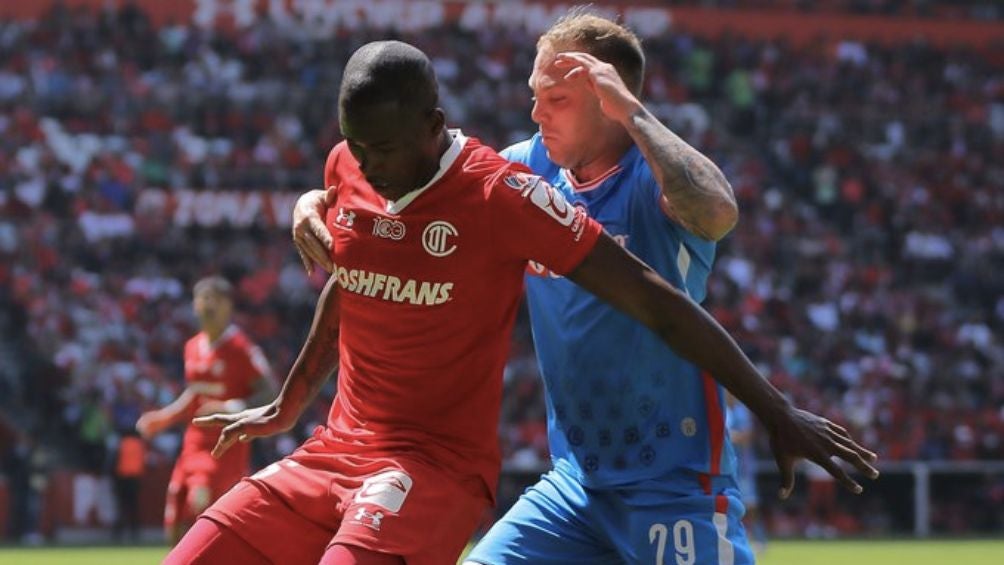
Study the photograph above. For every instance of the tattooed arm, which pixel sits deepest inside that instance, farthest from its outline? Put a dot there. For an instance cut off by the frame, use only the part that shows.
(695, 193)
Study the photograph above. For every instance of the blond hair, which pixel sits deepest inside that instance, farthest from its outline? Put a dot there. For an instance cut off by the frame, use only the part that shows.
(602, 38)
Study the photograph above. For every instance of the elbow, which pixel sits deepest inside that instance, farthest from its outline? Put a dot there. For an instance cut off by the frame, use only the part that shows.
(720, 222)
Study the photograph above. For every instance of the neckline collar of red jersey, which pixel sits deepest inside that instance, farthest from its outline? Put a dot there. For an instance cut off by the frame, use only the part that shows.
(445, 162)
(226, 335)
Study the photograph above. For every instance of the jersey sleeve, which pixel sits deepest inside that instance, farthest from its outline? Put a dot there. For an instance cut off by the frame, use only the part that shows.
(532, 221)
(649, 196)
(331, 177)
(694, 255)
(515, 153)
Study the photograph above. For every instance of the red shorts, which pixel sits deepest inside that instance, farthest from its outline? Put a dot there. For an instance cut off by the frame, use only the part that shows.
(199, 469)
(292, 510)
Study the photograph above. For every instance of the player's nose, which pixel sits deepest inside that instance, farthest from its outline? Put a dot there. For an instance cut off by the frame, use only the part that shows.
(537, 113)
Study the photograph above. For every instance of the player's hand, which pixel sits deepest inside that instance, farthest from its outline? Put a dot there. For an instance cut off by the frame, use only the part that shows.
(310, 236)
(802, 434)
(150, 424)
(616, 99)
(245, 425)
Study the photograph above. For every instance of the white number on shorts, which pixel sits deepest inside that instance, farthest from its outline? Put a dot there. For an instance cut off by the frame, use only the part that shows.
(660, 532)
(683, 539)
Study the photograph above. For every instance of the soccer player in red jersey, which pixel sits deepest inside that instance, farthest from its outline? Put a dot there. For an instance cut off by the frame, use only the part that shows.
(432, 234)
(222, 370)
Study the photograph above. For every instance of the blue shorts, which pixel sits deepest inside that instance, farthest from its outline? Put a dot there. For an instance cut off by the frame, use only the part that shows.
(558, 521)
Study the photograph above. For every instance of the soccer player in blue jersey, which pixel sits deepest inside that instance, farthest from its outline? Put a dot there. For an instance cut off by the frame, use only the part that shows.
(643, 468)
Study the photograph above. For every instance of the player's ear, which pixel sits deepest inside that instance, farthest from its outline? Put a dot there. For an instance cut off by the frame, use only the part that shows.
(437, 121)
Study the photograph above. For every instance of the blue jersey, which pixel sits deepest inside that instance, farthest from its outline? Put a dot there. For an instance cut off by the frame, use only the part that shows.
(621, 406)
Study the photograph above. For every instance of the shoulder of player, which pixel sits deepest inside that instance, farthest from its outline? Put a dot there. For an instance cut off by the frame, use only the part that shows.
(336, 158)
(336, 152)
(482, 165)
(193, 341)
(240, 340)
(509, 178)
(520, 151)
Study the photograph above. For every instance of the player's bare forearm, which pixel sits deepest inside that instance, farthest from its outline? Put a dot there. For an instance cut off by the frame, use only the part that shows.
(180, 410)
(696, 192)
(318, 358)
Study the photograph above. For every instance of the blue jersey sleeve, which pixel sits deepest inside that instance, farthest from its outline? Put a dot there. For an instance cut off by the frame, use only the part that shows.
(695, 255)
(517, 152)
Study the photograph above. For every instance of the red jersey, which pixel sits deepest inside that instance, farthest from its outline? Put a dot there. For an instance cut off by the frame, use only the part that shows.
(429, 287)
(225, 370)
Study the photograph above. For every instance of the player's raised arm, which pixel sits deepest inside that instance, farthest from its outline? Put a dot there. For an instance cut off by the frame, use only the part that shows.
(621, 279)
(318, 359)
(695, 192)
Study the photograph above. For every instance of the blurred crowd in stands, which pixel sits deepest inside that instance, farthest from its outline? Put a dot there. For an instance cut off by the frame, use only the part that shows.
(956, 9)
(865, 277)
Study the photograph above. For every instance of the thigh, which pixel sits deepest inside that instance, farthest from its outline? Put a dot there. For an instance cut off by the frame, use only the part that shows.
(339, 554)
(685, 529)
(549, 524)
(405, 507)
(209, 543)
(270, 525)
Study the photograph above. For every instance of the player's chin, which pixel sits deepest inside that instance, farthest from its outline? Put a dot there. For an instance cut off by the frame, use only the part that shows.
(556, 152)
(389, 191)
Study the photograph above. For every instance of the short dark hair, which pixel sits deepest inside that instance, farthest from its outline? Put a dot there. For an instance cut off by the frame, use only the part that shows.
(388, 72)
(215, 284)
(602, 38)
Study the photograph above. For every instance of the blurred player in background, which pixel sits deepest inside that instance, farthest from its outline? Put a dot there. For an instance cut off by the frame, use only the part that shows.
(639, 434)
(741, 426)
(224, 371)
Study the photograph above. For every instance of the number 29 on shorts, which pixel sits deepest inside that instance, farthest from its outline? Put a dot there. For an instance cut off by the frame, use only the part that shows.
(683, 542)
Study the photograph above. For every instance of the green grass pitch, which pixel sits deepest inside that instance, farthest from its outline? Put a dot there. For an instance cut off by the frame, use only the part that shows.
(778, 553)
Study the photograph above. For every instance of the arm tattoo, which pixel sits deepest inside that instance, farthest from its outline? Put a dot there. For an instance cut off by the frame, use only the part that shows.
(695, 191)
